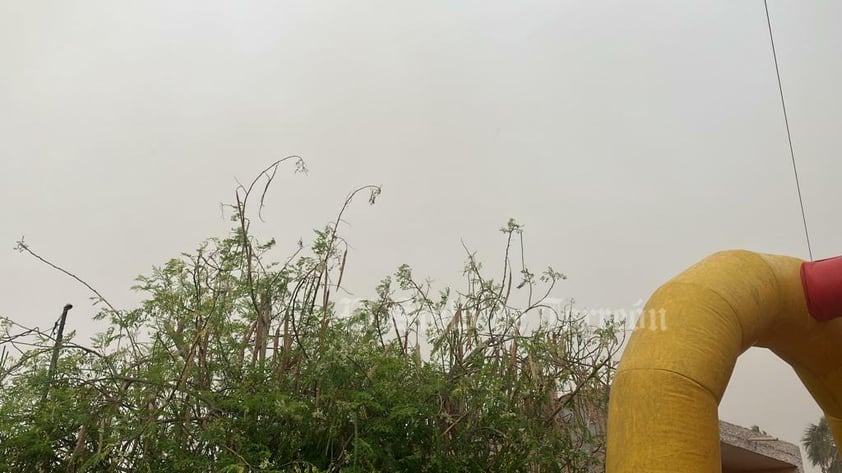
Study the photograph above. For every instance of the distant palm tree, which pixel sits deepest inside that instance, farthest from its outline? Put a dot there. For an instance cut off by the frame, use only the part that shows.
(821, 448)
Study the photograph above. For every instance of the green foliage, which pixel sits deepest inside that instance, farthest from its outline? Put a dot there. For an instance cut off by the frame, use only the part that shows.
(236, 363)
(821, 448)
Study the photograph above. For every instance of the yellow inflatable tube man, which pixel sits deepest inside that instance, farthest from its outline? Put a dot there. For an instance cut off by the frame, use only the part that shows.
(663, 406)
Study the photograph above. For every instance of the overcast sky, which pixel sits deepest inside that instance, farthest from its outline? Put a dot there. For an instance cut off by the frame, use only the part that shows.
(630, 138)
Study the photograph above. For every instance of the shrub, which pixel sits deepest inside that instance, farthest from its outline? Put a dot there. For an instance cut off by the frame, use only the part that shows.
(235, 362)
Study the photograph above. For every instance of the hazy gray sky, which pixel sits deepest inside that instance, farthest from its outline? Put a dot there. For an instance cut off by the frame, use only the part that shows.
(631, 138)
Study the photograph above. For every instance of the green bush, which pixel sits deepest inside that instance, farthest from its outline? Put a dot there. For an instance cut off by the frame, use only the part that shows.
(235, 362)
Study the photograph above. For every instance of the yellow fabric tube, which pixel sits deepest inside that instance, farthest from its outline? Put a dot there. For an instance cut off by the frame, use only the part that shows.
(662, 413)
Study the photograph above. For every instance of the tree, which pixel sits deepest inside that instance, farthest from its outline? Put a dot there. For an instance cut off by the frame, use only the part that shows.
(238, 361)
(821, 448)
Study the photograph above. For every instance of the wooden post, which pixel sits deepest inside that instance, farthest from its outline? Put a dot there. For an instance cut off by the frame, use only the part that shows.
(56, 348)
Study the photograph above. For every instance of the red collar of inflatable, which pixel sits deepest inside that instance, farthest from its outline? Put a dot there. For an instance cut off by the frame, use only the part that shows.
(822, 282)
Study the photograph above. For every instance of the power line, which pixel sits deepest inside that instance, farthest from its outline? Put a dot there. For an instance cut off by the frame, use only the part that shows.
(788, 134)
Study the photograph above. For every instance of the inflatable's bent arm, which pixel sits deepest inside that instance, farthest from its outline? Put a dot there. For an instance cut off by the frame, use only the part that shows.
(674, 371)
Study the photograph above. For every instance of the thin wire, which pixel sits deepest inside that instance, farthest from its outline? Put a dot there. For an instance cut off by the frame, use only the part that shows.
(788, 134)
